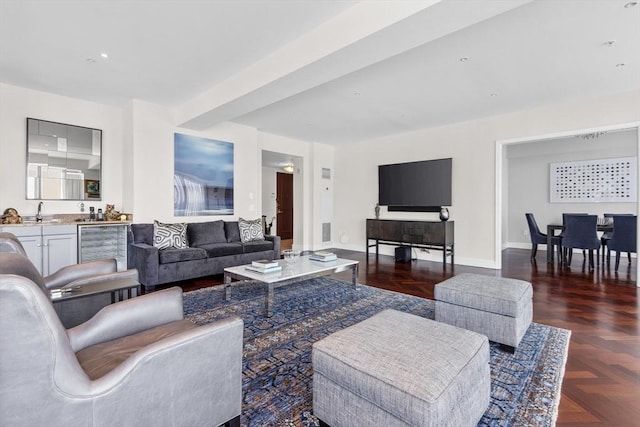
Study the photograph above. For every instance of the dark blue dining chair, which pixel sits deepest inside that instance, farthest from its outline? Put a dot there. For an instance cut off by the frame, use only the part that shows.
(580, 231)
(606, 236)
(567, 253)
(623, 238)
(537, 237)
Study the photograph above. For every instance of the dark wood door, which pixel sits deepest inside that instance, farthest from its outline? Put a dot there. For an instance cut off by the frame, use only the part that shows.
(284, 205)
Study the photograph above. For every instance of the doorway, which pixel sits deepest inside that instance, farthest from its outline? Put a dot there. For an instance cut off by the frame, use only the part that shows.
(282, 198)
(501, 165)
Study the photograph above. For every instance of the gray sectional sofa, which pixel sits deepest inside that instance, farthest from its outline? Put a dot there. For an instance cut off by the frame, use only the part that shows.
(212, 246)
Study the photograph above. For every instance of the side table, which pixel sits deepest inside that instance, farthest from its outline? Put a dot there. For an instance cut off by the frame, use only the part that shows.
(76, 305)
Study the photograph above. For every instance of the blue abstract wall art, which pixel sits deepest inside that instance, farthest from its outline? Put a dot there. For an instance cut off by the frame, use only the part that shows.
(203, 176)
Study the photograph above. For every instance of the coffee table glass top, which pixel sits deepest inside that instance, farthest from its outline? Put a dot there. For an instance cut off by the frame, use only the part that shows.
(301, 268)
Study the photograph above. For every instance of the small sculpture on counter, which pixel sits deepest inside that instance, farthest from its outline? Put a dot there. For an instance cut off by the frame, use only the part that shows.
(111, 214)
(377, 210)
(444, 214)
(10, 216)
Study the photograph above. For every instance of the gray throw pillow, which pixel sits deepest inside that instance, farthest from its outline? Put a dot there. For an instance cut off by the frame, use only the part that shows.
(169, 235)
(250, 230)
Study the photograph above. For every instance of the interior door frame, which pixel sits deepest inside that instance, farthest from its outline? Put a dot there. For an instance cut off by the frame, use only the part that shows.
(501, 161)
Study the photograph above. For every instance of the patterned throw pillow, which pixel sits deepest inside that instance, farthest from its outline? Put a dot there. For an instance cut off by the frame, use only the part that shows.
(169, 235)
(250, 230)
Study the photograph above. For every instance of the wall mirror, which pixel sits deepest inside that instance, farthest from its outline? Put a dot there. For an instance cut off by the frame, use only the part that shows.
(63, 161)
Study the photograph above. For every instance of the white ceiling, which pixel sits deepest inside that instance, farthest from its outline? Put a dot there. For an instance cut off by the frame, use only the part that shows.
(330, 71)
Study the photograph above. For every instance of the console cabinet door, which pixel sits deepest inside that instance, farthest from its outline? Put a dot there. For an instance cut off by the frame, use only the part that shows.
(58, 251)
(31, 239)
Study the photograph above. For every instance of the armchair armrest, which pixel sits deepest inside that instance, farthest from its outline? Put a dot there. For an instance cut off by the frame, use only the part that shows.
(276, 245)
(146, 259)
(206, 358)
(71, 273)
(128, 317)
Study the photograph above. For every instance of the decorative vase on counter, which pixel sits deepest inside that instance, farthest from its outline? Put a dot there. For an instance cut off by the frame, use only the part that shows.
(377, 210)
(444, 214)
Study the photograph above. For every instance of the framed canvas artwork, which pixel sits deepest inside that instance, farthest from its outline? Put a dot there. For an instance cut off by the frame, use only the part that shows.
(203, 176)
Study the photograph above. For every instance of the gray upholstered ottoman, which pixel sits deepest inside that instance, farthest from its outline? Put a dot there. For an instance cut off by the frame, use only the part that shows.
(499, 308)
(398, 369)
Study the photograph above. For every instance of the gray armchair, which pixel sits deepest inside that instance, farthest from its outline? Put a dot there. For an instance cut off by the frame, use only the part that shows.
(73, 313)
(73, 275)
(136, 362)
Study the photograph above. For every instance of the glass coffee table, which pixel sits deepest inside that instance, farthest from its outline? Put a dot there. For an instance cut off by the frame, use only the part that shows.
(302, 269)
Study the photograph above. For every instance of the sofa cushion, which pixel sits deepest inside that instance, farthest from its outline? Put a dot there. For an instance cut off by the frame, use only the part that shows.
(258, 246)
(232, 231)
(222, 249)
(169, 235)
(142, 233)
(250, 230)
(205, 233)
(170, 255)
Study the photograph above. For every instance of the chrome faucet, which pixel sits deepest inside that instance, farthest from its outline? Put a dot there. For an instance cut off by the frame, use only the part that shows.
(39, 215)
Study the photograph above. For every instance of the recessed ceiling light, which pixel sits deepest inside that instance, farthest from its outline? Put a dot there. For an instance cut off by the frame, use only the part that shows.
(91, 60)
(630, 4)
(620, 65)
(104, 55)
(464, 59)
(356, 93)
(494, 94)
(609, 43)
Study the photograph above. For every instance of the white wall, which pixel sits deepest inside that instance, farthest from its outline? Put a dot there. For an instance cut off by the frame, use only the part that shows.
(323, 194)
(309, 159)
(528, 179)
(16, 104)
(153, 141)
(269, 205)
(472, 147)
(138, 159)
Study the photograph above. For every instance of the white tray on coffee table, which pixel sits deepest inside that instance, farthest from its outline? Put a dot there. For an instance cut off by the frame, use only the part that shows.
(303, 268)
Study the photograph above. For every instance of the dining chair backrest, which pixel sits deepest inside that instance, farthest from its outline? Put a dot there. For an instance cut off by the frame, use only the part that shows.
(564, 215)
(623, 238)
(534, 231)
(580, 231)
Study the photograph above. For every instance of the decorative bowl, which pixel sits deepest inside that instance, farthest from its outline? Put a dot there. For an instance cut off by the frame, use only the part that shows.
(291, 256)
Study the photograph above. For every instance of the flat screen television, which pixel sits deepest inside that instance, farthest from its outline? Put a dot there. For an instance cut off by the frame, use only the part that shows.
(422, 186)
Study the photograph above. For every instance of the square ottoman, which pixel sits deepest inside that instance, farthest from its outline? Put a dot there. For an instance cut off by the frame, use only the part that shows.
(398, 369)
(497, 307)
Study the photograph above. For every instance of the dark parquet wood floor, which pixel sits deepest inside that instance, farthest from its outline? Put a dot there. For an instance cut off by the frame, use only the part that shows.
(602, 379)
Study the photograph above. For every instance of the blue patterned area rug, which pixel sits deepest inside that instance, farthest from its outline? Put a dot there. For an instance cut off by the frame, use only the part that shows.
(277, 371)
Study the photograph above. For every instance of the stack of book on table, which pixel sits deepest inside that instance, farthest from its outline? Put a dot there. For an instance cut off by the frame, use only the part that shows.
(264, 266)
(323, 256)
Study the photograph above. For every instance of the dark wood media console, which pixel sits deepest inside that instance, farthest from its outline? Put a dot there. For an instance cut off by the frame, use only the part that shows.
(436, 235)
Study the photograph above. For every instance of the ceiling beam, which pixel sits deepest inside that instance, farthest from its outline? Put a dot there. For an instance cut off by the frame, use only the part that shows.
(368, 32)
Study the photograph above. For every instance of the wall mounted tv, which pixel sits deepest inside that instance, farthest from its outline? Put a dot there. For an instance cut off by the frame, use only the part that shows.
(422, 186)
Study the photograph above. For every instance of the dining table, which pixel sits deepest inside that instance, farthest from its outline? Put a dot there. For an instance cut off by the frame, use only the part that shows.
(552, 228)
